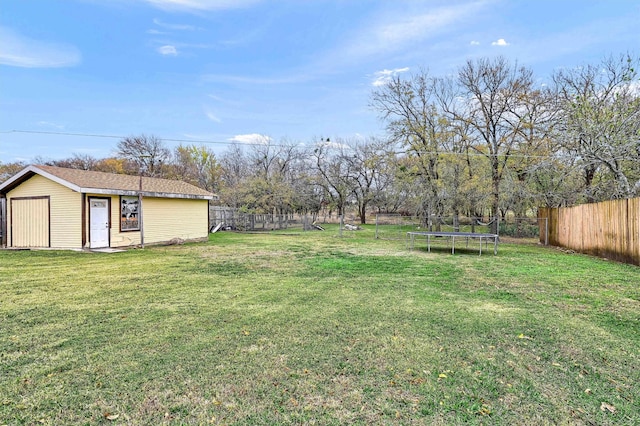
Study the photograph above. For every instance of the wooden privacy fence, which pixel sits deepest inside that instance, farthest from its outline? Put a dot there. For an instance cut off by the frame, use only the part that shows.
(609, 229)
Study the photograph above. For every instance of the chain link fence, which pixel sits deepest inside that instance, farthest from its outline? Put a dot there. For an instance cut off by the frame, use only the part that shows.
(395, 226)
(387, 226)
(234, 220)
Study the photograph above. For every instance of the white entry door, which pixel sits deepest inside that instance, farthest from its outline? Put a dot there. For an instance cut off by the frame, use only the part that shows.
(99, 223)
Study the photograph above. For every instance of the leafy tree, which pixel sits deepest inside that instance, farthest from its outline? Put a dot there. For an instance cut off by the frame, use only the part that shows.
(396, 189)
(600, 121)
(274, 174)
(556, 181)
(197, 165)
(366, 163)
(7, 170)
(113, 165)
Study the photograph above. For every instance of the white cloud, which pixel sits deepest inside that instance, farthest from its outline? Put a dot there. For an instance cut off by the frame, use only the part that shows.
(211, 116)
(384, 76)
(200, 5)
(394, 32)
(474, 43)
(333, 144)
(167, 50)
(178, 27)
(252, 139)
(19, 51)
(500, 42)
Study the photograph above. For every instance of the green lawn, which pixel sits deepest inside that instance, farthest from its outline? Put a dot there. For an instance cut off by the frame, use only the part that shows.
(312, 328)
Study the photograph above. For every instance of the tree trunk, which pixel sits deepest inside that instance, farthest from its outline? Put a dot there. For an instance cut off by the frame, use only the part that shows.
(363, 213)
(495, 205)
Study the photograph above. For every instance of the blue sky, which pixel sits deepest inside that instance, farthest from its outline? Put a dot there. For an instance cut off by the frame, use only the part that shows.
(231, 70)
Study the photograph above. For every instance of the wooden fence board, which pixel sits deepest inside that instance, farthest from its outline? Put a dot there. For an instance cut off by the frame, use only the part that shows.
(610, 229)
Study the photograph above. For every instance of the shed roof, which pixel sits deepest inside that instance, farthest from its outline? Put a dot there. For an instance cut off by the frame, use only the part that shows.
(87, 181)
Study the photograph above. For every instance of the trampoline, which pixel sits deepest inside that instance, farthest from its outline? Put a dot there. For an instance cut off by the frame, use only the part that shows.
(453, 235)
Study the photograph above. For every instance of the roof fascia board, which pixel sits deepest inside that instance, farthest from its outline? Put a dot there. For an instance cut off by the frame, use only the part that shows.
(56, 179)
(145, 193)
(33, 169)
(15, 177)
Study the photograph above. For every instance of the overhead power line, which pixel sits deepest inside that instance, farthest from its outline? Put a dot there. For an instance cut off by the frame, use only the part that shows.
(95, 135)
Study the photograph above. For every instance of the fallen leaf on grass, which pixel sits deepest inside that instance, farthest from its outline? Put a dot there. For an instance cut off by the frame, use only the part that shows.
(485, 410)
(110, 416)
(607, 407)
(522, 336)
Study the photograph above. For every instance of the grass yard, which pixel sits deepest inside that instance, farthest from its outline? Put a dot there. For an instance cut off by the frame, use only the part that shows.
(315, 329)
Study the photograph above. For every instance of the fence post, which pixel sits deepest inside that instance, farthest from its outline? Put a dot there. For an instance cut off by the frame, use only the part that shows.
(546, 231)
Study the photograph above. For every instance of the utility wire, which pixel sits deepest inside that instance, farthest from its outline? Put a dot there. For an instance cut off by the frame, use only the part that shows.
(93, 135)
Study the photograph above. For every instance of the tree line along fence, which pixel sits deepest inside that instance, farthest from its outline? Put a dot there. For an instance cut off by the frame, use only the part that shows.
(608, 229)
(396, 226)
(387, 226)
(236, 220)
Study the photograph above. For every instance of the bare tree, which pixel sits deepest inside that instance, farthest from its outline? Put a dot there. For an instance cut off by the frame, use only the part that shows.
(333, 173)
(415, 124)
(490, 96)
(235, 172)
(538, 114)
(76, 161)
(147, 153)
